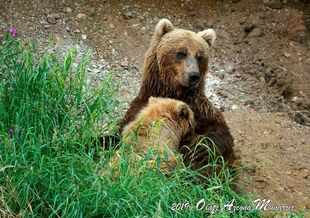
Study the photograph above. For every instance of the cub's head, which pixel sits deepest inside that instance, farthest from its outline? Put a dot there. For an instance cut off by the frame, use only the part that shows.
(174, 110)
(182, 55)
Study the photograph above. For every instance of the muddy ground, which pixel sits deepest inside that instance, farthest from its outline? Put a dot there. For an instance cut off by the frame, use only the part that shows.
(259, 72)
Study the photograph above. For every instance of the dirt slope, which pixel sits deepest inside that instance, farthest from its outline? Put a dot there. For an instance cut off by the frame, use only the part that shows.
(276, 154)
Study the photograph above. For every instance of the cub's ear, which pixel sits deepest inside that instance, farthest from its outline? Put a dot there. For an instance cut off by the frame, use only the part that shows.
(183, 110)
(208, 35)
(153, 100)
(163, 26)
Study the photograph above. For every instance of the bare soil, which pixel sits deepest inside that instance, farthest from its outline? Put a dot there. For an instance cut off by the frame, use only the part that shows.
(259, 72)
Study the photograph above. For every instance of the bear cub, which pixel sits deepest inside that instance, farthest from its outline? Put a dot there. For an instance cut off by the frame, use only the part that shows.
(160, 126)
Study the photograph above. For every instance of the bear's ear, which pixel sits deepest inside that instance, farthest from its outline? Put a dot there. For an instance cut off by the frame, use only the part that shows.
(183, 110)
(208, 35)
(152, 100)
(164, 26)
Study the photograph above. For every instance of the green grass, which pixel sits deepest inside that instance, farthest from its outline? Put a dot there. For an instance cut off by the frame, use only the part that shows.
(49, 166)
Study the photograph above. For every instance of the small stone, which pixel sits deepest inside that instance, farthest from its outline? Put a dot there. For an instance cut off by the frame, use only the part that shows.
(137, 5)
(243, 20)
(286, 54)
(47, 26)
(272, 81)
(51, 20)
(124, 63)
(294, 99)
(43, 22)
(268, 75)
(128, 14)
(67, 28)
(300, 194)
(249, 103)
(81, 16)
(96, 71)
(68, 10)
(249, 28)
(234, 107)
(76, 31)
(84, 37)
(275, 4)
(260, 180)
(125, 33)
(256, 32)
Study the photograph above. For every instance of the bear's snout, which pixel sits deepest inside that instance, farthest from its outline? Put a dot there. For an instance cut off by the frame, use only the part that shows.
(194, 77)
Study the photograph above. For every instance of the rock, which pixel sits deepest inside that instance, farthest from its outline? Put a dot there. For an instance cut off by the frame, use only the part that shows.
(294, 99)
(301, 118)
(221, 76)
(81, 16)
(256, 32)
(124, 63)
(67, 28)
(84, 37)
(272, 81)
(234, 107)
(52, 20)
(95, 71)
(249, 103)
(275, 4)
(141, 18)
(43, 22)
(128, 14)
(249, 28)
(267, 76)
(243, 20)
(68, 10)
(230, 69)
(137, 5)
(222, 108)
(47, 26)
(286, 54)
(300, 194)
(76, 31)
(238, 75)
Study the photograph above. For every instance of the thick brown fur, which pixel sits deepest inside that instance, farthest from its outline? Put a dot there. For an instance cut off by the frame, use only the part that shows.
(160, 126)
(166, 73)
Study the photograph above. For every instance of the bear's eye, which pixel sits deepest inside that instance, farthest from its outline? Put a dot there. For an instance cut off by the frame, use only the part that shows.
(199, 58)
(181, 54)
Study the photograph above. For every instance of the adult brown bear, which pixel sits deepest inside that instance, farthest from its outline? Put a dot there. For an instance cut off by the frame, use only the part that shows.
(175, 67)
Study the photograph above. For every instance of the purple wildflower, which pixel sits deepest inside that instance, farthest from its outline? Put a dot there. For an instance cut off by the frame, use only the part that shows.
(13, 31)
(11, 132)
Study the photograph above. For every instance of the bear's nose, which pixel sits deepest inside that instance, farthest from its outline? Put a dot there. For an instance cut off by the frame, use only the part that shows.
(194, 76)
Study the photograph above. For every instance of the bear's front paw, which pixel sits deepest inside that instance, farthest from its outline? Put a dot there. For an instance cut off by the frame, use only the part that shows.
(195, 150)
(196, 156)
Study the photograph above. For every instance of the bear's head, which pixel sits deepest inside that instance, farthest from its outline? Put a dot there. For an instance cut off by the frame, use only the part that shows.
(174, 110)
(181, 55)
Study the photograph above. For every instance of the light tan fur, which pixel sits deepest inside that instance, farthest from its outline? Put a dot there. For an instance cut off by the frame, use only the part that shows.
(160, 126)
